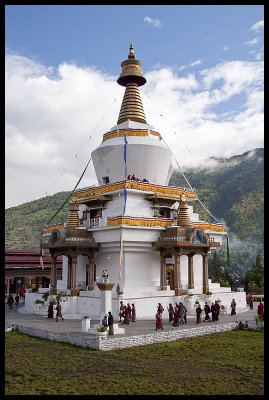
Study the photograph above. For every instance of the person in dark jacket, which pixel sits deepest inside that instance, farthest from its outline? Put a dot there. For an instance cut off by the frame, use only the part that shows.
(58, 311)
(217, 310)
(198, 314)
(213, 311)
(17, 299)
(110, 322)
(207, 310)
(10, 301)
(50, 310)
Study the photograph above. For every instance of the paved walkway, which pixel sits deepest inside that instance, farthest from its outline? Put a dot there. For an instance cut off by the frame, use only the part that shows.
(140, 327)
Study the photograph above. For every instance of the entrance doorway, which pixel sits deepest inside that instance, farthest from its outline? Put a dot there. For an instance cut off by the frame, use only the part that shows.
(170, 276)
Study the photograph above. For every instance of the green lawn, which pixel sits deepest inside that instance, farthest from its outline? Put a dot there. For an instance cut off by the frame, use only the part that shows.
(228, 363)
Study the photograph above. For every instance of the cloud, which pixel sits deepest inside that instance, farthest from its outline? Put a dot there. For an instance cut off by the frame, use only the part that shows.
(55, 118)
(153, 21)
(252, 42)
(258, 26)
(193, 64)
(225, 48)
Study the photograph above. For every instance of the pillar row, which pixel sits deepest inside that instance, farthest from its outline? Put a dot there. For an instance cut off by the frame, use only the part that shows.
(162, 271)
(178, 289)
(190, 271)
(91, 273)
(205, 273)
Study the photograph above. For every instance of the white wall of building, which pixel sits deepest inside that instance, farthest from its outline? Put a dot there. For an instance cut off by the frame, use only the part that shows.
(143, 155)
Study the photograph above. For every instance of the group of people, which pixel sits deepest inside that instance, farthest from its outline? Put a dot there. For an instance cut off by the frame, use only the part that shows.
(18, 297)
(58, 310)
(260, 310)
(108, 321)
(128, 313)
(177, 315)
(214, 310)
(133, 178)
(11, 300)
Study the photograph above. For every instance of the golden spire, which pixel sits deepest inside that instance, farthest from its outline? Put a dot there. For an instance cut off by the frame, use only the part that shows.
(183, 218)
(131, 77)
(131, 54)
(73, 219)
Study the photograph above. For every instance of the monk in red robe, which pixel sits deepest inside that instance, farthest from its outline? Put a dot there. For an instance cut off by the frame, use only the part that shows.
(50, 310)
(159, 320)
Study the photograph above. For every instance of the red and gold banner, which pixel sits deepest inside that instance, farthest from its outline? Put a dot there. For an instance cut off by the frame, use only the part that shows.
(210, 225)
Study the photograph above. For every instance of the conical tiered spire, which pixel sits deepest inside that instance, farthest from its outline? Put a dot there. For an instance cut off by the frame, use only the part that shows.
(73, 219)
(131, 77)
(183, 218)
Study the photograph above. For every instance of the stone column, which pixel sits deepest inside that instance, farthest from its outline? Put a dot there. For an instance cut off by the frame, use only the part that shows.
(69, 272)
(74, 291)
(91, 272)
(53, 279)
(105, 298)
(190, 271)
(205, 272)
(178, 290)
(162, 271)
(8, 286)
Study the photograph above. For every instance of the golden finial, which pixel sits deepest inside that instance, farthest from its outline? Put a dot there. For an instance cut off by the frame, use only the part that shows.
(183, 218)
(131, 77)
(73, 218)
(131, 54)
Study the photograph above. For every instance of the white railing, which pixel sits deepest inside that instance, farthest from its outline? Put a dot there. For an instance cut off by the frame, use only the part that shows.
(96, 223)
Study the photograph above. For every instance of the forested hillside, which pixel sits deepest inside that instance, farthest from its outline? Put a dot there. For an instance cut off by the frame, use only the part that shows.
(24, 223)
(231, 188)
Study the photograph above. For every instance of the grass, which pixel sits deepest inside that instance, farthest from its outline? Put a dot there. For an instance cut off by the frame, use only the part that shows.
(228, 363)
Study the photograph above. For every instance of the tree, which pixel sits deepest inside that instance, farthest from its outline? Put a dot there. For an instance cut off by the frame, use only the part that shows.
(254, 277)
(215, 269)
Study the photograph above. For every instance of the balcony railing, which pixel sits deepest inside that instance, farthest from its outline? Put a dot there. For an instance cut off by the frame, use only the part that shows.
(96, 223)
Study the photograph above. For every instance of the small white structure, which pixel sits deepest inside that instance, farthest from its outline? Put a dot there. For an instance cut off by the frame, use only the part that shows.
(135, 226)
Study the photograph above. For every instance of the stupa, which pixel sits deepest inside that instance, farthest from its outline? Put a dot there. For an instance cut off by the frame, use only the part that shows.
(135, 226)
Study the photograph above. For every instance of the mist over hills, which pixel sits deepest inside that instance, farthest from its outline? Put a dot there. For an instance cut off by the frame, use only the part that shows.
(232, 189)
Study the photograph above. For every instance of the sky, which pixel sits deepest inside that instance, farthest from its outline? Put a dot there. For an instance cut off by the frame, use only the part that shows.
(204, 90)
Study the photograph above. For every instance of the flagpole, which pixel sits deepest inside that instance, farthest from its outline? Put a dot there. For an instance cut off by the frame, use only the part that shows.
(228, 253)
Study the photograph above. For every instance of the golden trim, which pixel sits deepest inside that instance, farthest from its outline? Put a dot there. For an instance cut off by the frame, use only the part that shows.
(109, 135)
(52, 227)
(129, 132)
(133, 132)
(133, 185)
(139, 221)
(105, 286)
(210, 225)
(156, 134)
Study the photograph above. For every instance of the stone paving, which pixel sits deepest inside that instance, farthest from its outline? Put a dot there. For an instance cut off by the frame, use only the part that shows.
(137, 333)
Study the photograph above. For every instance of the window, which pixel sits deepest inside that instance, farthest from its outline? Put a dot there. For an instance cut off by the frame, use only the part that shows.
(105, 180)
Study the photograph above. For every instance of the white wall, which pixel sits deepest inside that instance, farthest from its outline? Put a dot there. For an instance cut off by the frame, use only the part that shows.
(198, 272)
(143, 155)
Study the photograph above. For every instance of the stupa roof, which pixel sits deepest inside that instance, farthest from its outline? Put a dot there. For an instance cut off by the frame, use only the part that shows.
(131, 77)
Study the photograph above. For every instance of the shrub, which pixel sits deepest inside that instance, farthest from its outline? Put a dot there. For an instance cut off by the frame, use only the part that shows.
(240, 326)
(39, 301)
(101, 329)
(118, 291)
(45, 296)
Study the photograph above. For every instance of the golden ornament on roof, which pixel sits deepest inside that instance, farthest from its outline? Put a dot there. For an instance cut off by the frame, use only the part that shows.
(131, 77)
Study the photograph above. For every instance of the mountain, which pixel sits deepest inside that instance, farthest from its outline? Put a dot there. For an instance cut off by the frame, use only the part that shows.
(232, 189)
(24, 223)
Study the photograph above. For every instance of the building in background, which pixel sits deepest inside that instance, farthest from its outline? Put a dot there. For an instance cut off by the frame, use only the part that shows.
(23, 269)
